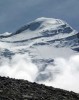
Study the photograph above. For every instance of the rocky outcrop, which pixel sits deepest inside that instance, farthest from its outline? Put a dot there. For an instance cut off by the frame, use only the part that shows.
(12, 89)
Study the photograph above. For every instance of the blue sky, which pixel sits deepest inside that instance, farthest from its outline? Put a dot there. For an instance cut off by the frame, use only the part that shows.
(16, 13)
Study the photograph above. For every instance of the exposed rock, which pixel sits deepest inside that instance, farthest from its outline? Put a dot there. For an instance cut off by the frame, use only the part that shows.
(12, 89)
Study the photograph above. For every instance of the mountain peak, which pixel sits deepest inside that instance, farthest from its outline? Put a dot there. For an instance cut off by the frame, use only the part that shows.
(50, 20)
(42, 27)
(44, 19)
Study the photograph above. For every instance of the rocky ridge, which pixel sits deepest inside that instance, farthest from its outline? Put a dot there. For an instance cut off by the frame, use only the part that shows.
(13, 89)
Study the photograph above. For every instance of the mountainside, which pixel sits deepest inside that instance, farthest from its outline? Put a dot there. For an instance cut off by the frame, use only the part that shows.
(39, 37)
(42, 32)
(37, 45)
(11, 89)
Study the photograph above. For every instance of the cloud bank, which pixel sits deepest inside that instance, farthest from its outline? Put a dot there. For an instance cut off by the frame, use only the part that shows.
(19, 67)
(64, 73)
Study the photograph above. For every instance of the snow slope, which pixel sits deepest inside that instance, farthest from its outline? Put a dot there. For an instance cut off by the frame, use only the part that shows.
(43, 34)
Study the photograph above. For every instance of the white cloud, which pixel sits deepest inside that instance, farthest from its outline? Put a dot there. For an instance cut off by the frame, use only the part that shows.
(20, 68)
(63, 74)
(68, 74)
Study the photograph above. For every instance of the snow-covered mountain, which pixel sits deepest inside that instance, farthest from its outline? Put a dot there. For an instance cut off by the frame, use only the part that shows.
(43, 40)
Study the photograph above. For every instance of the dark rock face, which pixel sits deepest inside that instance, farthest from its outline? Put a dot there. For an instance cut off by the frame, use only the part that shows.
(12, 89)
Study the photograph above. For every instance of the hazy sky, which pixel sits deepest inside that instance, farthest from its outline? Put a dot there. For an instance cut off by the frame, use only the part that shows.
(16, 13)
